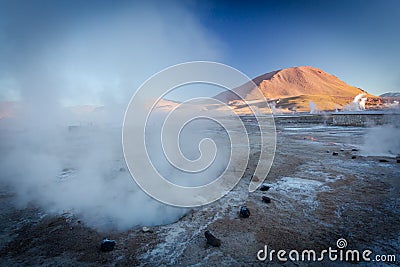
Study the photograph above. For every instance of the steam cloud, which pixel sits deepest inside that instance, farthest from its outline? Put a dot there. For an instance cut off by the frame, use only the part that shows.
(97, 58)
(358, 103)
(382, 141)
(313, 107)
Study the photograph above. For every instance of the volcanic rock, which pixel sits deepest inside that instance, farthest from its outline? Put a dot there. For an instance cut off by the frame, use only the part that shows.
(107, 244)
(211, 239)
(146, 230)
(266, 199)
(244, 212)
(264, 187)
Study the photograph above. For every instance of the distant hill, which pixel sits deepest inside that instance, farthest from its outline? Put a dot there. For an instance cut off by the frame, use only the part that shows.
(294, 88)
(298, 89)
(391, 94)
(166, 104)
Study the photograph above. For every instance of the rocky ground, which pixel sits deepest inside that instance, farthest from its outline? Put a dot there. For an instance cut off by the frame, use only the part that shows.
(321, 188)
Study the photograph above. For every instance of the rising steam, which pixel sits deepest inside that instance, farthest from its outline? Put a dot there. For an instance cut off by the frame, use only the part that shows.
(358, 103)
(65, 162)
(202, 166)
(382, 141)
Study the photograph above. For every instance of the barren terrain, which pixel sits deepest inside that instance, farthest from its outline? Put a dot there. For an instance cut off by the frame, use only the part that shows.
(316, 198)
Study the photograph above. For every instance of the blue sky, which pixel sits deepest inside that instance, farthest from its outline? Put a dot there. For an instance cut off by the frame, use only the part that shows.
(356, 40)
(98, 52)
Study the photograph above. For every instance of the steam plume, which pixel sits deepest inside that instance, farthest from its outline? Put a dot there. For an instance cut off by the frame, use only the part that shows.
(95, 58)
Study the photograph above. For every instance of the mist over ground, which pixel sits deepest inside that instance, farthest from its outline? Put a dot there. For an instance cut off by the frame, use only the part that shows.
(382, 141)
(69, 161)
(59, 56)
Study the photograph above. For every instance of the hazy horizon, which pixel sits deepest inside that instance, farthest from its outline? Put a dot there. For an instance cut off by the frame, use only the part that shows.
(76, 53)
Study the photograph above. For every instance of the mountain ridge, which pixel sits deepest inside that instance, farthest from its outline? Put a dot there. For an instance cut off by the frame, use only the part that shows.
(390, 94)
(296, 81)
(296, 87)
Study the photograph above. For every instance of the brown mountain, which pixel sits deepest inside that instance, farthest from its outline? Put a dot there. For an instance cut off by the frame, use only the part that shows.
(295, 88)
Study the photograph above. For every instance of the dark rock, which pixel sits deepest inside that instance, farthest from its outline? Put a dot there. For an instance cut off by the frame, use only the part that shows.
(353, 157)
(383, 160)
(398, 161)
(266, 199)
(335, 154)
(107, 244)
(354, 149)
(122, 169)
(264, 187)
(211, 239)
(147, 230)
(328, 151)
(244, 212)
(342, 149)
